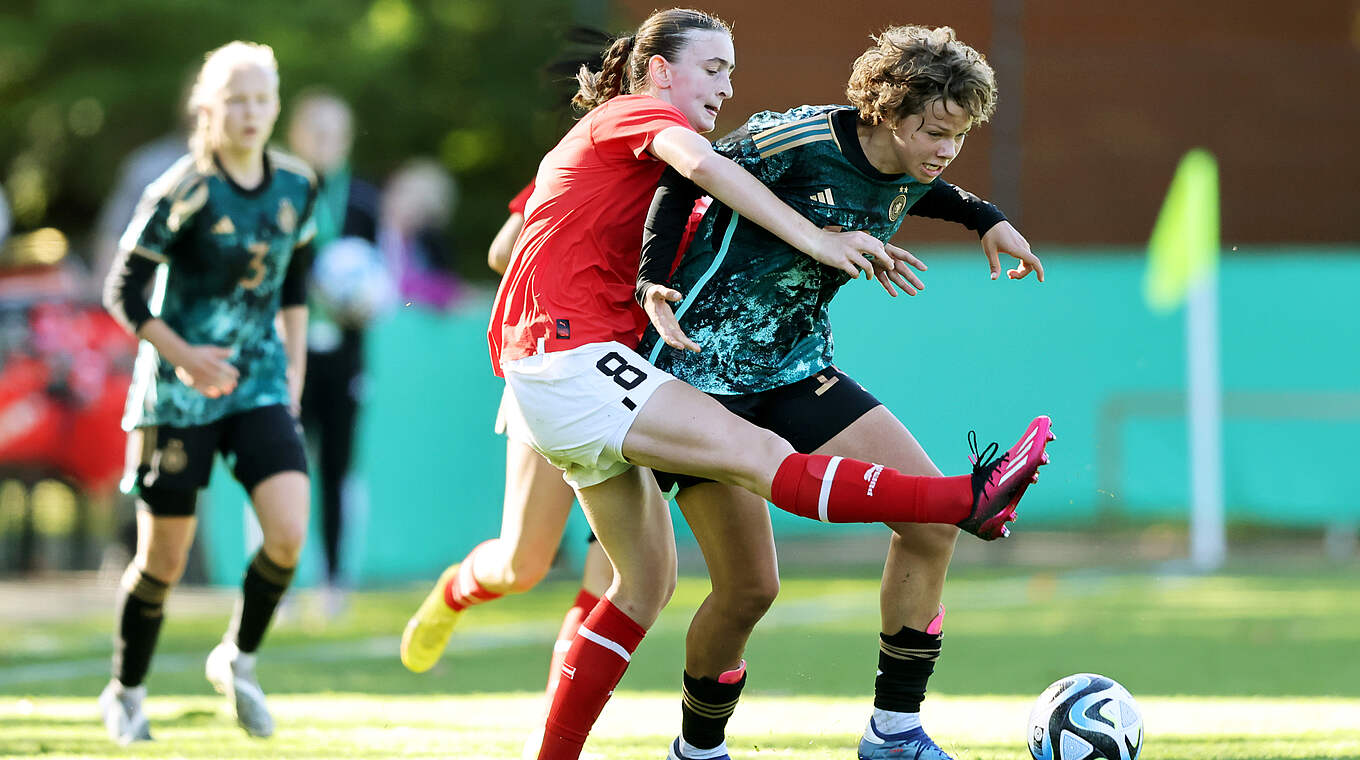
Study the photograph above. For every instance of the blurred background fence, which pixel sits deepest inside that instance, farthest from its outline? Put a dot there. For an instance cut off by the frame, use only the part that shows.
(1098, 101)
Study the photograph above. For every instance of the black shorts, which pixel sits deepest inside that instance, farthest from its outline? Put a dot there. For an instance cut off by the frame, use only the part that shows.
(807, 414)
(170, 464)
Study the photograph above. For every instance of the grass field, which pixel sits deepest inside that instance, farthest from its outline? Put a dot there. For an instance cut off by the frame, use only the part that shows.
(1251, 664)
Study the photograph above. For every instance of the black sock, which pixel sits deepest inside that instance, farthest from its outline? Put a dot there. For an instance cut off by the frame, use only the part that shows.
(905, 661)
(704, 711)
(139, 611)
(261, 590)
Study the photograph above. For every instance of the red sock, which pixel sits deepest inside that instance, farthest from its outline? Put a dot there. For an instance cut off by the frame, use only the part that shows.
(839, 490)
(599, 654)
(463, 590)
(585, 602)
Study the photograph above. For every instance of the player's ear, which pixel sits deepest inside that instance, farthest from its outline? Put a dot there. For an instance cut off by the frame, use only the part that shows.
(659, 71)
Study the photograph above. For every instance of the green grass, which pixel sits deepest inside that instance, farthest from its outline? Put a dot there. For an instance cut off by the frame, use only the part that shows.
(1244, 665)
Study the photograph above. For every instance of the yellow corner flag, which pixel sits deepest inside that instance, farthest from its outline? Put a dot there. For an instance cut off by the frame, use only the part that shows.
(1184, 245)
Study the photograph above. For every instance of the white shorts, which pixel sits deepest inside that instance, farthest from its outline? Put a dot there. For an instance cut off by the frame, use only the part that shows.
(575, 407)
(500, 411)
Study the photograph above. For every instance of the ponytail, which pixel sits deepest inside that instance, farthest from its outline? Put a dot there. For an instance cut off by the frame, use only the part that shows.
(624, 67)
(612, 79)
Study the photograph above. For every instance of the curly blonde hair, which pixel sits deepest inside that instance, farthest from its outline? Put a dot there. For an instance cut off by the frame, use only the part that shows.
(909, 67)
(624, 68)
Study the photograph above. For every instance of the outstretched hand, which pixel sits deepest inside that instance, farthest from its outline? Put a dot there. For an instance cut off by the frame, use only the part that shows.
(900, 272)
(657, 303)
(1004, 238)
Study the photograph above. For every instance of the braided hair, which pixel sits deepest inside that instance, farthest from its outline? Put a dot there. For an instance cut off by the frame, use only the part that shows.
(623, 69)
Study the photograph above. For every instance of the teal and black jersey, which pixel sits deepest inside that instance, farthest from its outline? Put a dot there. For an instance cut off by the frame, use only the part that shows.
(223, 253)
(756, 305)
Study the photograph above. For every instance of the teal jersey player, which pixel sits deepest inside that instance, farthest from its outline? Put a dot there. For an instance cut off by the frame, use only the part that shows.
(758, 306)
(224, 253)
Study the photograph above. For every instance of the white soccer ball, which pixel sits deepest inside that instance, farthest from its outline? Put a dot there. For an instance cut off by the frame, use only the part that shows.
(1085, 717)
(352, 283)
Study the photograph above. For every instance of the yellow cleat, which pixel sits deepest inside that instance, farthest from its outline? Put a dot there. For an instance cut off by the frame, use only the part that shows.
(428, 631)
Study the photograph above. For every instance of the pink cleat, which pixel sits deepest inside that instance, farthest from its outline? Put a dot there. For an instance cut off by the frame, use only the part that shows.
(999, 483)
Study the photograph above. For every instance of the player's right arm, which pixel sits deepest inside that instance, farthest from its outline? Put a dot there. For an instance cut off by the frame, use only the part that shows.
(160, 216)
(692, 155)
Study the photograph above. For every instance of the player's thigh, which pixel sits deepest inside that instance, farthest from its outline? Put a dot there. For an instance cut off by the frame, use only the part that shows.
(537, 501)
(878, 436)
(262, 443)
(681, 429)
(732, 526)
(270, 462)
(633, 525)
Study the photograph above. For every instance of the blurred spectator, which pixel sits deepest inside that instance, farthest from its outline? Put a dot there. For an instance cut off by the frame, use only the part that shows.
(144, 164)
(417, 204)
(4, 218)
(321, 132)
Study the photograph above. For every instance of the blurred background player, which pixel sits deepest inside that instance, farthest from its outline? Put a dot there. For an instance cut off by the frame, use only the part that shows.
(321, 132)
(5, 221)
(753, 331)
(226, 234)
(537, 500)
(533, 518)
(417, 202)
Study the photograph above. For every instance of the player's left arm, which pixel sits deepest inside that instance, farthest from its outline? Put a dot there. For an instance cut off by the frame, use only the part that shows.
(292, 322)
(954, 204)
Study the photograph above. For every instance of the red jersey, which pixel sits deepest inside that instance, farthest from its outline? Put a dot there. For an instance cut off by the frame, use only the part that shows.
(574, 269)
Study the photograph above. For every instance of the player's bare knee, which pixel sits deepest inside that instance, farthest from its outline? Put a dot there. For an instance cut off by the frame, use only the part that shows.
(755, 459)
(284, 544)
(648, 592)
(164, 564)
(746, 604)
(523, 573)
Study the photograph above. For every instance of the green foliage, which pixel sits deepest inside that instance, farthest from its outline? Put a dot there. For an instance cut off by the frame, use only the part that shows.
(82, 84)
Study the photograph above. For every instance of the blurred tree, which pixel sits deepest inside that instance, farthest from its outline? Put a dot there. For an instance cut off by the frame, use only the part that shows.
(82, 84)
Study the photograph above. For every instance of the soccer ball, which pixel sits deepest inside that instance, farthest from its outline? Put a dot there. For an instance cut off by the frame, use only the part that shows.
(351, 282)
(1085, 717)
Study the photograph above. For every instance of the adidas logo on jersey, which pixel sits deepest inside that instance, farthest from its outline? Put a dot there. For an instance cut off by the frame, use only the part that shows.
(824, 197)
(224, 226)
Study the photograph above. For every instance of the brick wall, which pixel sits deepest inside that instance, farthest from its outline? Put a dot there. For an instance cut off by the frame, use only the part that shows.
(1099, 100)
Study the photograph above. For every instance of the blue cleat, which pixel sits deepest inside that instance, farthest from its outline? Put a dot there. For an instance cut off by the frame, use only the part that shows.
(674, 753)
(915, 744)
